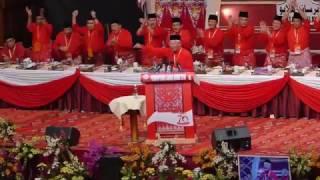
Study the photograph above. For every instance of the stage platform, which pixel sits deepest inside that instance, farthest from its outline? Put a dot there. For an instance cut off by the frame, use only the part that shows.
(269, 136)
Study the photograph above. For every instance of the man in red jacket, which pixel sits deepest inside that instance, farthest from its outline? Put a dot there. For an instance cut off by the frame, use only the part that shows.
(67, 44)
(298, 38)
(152, 33)
(93, 37)
(12, 52)
(41, 37)
(243, 36)
(277, 47)
(177, 29)
(176, 54)
(212, 40)
(119, 43)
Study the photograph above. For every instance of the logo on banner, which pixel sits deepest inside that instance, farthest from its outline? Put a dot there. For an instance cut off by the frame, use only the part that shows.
(183, 119)
(178, 119)
(311, 8)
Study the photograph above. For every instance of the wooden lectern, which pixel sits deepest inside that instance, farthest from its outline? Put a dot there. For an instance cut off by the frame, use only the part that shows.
(169, 107)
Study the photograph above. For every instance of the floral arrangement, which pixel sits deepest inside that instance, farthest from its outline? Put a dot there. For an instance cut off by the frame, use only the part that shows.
(226, 162)
(65, 165)
(73, 170)
(222, 164)
(167, 159)
(9, 166)
(206, 159)
(7, 130)
(300, 164)
(137, 164)
(25, 151)
(96, 151)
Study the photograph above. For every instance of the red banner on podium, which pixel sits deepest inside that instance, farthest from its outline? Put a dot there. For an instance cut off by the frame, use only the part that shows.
(169, 107)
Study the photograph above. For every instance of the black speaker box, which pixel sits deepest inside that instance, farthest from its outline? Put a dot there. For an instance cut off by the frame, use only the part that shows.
(71, 134)
(109, 168)
(238, 138)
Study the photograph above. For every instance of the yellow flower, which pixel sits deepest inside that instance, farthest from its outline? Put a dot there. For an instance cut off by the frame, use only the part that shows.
(1, 160)
(66, 170)
(187, 173)
(77, 178)
(7, 172)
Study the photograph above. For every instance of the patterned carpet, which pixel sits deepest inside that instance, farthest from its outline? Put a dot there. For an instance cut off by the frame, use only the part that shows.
(269, 136)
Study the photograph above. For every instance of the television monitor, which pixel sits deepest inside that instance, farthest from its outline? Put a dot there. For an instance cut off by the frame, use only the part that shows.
(253, 167)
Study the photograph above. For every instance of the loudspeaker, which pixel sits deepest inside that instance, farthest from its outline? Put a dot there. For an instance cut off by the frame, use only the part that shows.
(109, 167)
(70, 134)
(238, 138)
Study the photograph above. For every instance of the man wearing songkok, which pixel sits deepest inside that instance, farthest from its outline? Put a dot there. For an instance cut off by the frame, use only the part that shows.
(152, 33)
(93, 38)
(178, 56)
(41, 37)
(277, 46)
(298, 39)
(177, 29)
(243, 36)
(12, 52)
(212, 40)
(68, 44)
(119, 43)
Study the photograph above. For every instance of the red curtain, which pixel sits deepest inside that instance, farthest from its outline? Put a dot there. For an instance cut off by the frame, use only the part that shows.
(106, 93)
(36, 95)
(187, 21)
(202, 19)
(238, 98)
(166, 21)
(308, 95)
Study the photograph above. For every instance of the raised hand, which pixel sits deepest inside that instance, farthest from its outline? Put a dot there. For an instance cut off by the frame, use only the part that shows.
(230, 21)
(75, 13)
(142, 21)
(263, 26)
(200, 33)
(29, 11)
(93, 14)
(42, 12)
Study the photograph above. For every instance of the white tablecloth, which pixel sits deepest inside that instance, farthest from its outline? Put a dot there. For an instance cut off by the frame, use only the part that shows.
(121, 105)
(32, 77)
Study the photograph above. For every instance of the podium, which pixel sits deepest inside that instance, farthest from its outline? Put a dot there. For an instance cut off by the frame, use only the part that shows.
(169, 107)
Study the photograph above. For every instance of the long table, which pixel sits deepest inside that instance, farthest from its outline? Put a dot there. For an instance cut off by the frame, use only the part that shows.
(277, 95)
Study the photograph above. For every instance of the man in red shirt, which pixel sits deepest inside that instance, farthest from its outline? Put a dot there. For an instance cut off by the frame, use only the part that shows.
(119, 43)
(177, 56)
(212, 40)
(12, 52)
(93, 37)
(177, 29)
(243, 36)
(298, 39)
(68, 44)
(277, 48)
(153, 34)
(266, 172)
(41, 37)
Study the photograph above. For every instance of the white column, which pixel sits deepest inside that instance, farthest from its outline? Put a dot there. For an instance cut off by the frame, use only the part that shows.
(151, 6)
(213, 7)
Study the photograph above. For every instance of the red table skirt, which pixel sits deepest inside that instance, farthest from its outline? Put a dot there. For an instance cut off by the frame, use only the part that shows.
(285, 105)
